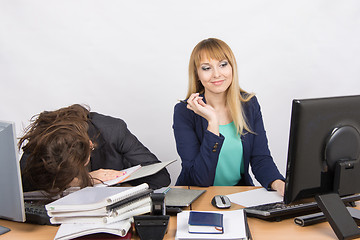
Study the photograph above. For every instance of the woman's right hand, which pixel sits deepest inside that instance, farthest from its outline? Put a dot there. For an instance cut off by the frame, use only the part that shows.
(279, 186)
(196, 104)
(99, 176)
(103, 175)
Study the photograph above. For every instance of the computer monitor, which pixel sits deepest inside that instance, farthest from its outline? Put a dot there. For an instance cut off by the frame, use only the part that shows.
(11, 200)
(323, 156)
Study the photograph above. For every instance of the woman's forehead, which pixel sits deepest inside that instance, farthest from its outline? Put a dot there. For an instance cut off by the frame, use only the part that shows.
(206, 56)
(214, 53)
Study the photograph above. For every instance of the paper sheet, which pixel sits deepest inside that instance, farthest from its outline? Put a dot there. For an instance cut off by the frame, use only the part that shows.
(255, 197)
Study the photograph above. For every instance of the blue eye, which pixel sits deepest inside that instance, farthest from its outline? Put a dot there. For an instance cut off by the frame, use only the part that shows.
(205, 68)
(224, 64)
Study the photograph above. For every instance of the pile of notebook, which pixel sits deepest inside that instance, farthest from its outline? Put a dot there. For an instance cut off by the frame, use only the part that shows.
(99, 209)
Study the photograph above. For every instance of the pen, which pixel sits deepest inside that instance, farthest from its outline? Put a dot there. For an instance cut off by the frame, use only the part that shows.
(183, 101)
(122, 173)
(166, 190)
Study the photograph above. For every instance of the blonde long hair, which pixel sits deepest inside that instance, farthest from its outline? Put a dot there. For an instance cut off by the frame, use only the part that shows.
(217, 49)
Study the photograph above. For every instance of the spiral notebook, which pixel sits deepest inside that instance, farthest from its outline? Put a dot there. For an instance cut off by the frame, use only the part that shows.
(91, 198)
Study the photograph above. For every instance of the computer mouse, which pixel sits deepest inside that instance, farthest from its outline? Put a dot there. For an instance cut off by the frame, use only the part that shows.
(221, 201)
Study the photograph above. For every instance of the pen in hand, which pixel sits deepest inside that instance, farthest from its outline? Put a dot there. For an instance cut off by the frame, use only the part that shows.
(122, 173)
(183, 101)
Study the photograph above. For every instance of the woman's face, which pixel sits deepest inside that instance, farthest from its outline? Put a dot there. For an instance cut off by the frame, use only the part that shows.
(215, 76)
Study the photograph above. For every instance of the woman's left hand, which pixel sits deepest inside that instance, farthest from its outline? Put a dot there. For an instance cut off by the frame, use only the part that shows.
(279, 186)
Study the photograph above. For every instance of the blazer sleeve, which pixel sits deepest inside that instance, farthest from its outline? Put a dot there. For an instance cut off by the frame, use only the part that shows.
(262, 164)
(117, 148)
(197, 147)
(134, 152)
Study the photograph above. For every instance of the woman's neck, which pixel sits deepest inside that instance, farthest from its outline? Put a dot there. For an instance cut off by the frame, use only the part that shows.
(217, 101)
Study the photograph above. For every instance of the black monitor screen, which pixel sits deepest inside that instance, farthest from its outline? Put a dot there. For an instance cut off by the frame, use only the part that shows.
(323, 131)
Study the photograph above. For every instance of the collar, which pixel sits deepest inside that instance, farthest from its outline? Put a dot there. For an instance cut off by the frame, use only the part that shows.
(94, 132)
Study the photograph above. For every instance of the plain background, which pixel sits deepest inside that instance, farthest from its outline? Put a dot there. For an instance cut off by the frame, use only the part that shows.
(128, 59)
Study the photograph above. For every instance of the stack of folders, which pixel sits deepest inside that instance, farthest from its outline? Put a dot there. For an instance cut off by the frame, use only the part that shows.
(99, 208)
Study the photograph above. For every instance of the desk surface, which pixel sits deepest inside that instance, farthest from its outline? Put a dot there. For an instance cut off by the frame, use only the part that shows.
(260, 229)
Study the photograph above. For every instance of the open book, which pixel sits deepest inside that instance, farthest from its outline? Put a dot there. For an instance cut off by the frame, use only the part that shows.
(70, 231)
(92, 198)
(136, 172)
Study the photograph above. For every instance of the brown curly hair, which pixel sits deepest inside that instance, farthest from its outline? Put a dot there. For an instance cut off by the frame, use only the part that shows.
(59, 148)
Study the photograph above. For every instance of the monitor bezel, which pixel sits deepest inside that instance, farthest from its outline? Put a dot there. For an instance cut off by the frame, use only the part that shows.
(12, 200)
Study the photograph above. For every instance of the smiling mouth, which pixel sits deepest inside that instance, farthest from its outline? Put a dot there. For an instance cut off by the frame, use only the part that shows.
(218, 82)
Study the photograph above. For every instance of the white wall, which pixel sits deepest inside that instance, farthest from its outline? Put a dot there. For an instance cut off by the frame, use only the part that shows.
(129, 59)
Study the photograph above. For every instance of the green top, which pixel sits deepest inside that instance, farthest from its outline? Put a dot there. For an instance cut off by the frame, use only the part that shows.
(231, 160)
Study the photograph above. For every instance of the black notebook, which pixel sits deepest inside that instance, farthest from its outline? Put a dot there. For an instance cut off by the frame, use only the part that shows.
(206, 222)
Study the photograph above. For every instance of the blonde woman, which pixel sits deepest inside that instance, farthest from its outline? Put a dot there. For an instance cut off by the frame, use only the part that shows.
(219, 129)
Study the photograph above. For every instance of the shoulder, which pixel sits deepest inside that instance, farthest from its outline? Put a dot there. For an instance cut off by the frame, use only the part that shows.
(106, 123)
(185, 117)
(180, 107)
(252, 110)
(181, 110)
(252, 104)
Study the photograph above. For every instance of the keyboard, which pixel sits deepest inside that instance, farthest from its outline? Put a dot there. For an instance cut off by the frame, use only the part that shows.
(278, 211)
(36, 213)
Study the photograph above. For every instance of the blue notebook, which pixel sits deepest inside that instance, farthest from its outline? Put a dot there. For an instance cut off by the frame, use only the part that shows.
(206, 222)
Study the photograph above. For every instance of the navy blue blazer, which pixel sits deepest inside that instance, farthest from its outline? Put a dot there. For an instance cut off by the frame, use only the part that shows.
(199, 148)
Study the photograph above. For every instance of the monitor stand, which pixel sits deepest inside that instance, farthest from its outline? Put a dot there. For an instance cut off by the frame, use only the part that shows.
(338, 216)
(342, 153)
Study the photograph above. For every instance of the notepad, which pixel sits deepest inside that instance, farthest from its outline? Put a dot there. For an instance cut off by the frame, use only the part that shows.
(206, 222)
